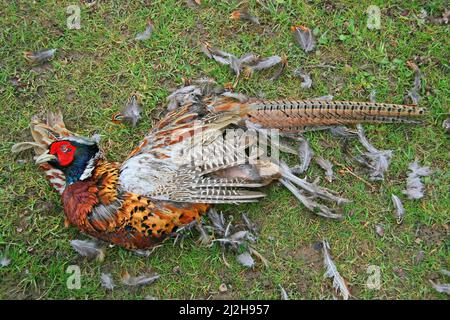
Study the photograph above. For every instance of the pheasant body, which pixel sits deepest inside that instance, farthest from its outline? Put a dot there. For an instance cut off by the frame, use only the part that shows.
(100, 209)
(163, 184)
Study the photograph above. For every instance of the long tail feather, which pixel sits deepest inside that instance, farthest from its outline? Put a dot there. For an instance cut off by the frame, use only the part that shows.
(291, 114)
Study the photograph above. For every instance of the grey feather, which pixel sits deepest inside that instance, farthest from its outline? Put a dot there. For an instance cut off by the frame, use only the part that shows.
(246, 259)
(305, 153)
(284, 295)
(327, 166)
(5, 261)
(441, 288)
(88, 249)
(399, 209)
(146, 34)
(332, 272)
(414, 186)
(139, 280)
(107, 281)
(306, 79)
(39, 57)
(376, 161)
(131, 113)
(305, 38)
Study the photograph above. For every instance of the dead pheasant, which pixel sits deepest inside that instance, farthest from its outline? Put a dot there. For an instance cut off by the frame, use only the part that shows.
(156, 189)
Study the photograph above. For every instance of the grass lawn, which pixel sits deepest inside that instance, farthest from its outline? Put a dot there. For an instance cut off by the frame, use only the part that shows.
(98, 67)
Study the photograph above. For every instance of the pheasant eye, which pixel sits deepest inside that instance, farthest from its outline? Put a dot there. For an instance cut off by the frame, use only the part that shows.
(64, 151)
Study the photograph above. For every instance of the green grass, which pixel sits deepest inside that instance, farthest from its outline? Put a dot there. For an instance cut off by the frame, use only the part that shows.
(98, 67)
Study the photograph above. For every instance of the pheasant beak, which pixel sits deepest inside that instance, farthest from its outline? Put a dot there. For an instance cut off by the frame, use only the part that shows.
(45, 157)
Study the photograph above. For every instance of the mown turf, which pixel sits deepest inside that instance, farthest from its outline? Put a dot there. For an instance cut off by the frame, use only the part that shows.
(98, 67)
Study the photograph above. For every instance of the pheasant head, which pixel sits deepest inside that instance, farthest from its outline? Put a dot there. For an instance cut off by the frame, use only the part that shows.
(64, 156)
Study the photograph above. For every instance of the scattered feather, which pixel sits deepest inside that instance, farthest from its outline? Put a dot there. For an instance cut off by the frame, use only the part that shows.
(5, 261)
(412, 96)
(309, 203)
(339, 283)
(143, 253)
(250, 225)
(372, 96)
(327, 166)
(284, 295)
(235, 95)
(146, 34)
(328, 97)
(441, 288)
(379, 230)
(343, 132)
(88, 249)
(246, 259)
(139, 280)
(376, 161)
(220, 56)
(414, 186)
(443, 19)
(304, 37)
(306, 78)
(244, 15)
(204, 236)
(130, 114)
(259, 256)
(39, 57)
(218, 221)
(248, 58)
(262, 65)
(223, 288)
(399, 210)
(281, 69)
(445, 272)
(446, 125)
(305, 153)
(107, 281)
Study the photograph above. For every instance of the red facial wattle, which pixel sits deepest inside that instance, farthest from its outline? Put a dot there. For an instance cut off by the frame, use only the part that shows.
(64, 151)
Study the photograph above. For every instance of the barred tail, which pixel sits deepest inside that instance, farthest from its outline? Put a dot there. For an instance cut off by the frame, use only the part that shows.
(289, 115)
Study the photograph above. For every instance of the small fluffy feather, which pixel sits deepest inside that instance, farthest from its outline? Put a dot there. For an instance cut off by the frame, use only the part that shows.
(107, 281)
(146, 34)
(246, 259)
(88, 249)
(304, 37)
(414, 187)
